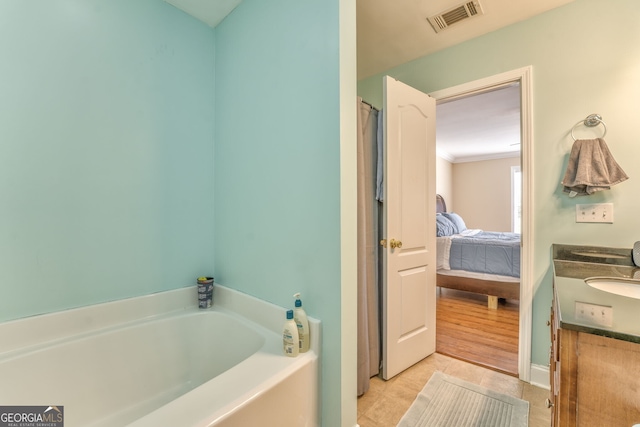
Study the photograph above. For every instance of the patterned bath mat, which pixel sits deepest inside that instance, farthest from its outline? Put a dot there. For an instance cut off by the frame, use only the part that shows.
(451, 402)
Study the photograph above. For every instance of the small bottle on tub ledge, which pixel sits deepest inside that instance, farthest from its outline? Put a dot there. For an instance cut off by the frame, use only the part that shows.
(300, 317)
(290, 340)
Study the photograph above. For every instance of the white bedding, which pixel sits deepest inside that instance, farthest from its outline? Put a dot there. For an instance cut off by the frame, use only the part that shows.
(443, 249)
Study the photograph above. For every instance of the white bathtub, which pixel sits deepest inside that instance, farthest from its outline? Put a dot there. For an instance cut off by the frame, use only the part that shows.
(158, 360)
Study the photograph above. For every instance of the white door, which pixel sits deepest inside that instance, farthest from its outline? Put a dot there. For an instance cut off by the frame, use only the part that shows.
(409, 274)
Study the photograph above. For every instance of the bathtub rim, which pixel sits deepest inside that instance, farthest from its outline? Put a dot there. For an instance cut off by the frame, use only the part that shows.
(201, 406)
(39, 331)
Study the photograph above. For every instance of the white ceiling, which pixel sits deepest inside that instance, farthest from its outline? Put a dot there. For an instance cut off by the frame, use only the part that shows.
(390, 33)
(480, 127)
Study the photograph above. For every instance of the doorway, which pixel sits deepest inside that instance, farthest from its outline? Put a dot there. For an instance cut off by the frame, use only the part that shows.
(478, 142)
(523, 78)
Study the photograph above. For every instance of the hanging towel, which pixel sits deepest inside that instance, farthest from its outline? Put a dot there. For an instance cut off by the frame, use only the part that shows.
(591, 168)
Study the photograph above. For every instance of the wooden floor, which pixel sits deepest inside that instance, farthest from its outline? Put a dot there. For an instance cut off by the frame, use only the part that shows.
(467, 329)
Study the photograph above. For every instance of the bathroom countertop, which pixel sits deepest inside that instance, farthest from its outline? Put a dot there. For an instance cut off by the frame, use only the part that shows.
(572, 264)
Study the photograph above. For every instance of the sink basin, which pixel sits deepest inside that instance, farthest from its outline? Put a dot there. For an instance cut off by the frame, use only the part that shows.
(614, 285)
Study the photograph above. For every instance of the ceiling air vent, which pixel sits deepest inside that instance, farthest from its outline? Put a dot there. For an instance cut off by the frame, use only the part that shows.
(459, 13)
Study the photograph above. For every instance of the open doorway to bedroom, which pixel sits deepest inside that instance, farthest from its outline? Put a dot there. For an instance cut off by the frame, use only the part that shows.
(479, 140)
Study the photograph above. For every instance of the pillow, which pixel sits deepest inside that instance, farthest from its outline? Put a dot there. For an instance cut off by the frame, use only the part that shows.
(457, 221)
(444, 227)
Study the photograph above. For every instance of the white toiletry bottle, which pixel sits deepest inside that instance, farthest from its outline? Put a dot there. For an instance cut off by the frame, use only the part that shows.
(303, 324)
(290, 340)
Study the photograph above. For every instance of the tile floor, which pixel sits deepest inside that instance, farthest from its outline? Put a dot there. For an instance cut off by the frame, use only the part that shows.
(387, 401)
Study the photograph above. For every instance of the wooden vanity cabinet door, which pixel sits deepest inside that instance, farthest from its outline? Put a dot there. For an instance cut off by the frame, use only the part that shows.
(608, 384)
(563, 371)
(553, 367)
(567, 377)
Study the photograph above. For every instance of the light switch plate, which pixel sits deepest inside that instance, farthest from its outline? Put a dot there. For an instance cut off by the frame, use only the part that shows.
(595, 212)
(593, 313)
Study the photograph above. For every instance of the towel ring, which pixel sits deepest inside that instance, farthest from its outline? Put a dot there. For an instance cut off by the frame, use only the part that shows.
(591, 121)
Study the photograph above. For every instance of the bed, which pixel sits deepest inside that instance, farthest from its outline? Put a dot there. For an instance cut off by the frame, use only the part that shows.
(478, 261)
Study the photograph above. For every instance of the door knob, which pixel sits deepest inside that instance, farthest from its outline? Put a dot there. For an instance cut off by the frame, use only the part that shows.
(383, 243)
(395, 244)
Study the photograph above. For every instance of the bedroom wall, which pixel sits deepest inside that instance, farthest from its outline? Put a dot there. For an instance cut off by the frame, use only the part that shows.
(577, 71)
(444, 181)
(482, 193)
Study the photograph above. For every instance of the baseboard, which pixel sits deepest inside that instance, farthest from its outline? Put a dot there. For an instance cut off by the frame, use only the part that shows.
(540, 376)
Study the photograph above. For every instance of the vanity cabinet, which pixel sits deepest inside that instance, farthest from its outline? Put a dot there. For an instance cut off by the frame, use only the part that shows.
(563, 372)
(595, 380)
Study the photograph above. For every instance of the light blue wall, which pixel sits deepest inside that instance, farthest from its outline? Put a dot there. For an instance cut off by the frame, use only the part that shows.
(106, 152)
(586, 59)
(277, 164)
